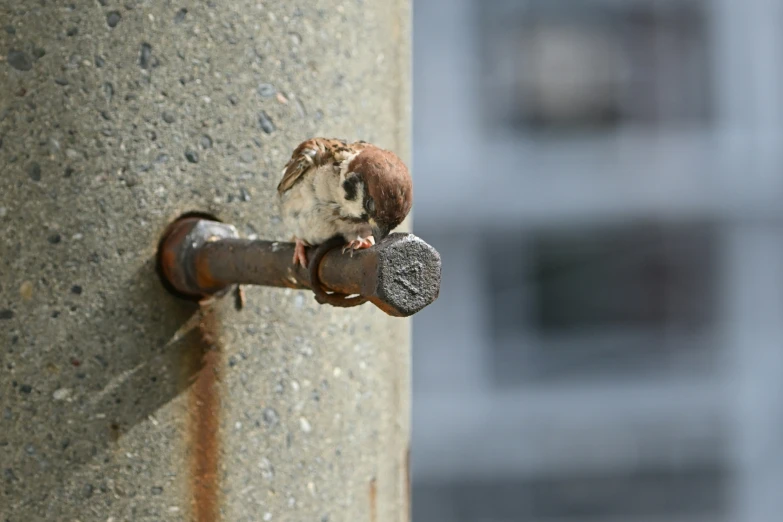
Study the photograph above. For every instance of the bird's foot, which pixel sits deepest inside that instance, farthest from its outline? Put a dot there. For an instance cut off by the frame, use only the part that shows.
(359, 244)
(300, 256)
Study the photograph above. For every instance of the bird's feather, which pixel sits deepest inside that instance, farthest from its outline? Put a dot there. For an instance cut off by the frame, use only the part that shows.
(314, 153)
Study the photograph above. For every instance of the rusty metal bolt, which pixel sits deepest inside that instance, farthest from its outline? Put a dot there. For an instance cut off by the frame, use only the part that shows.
(199, 258)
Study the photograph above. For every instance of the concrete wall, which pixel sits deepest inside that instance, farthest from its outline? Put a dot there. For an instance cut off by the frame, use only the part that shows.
(119, 402)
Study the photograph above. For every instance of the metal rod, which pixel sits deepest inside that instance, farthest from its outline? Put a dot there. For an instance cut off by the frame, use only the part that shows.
(200, 257)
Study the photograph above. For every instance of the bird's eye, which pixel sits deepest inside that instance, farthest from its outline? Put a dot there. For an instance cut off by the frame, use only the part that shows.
(370, 205)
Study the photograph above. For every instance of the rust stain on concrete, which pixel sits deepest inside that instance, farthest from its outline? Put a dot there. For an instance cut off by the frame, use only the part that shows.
(408, 490)
(373, 500)
(204, 420)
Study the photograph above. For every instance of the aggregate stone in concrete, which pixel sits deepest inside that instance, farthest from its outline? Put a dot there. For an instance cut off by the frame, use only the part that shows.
(118, 401)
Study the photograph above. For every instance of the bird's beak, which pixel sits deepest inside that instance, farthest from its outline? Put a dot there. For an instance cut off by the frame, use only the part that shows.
(379, 232)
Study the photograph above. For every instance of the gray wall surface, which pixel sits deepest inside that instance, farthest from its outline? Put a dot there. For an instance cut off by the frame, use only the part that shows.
(119, 402)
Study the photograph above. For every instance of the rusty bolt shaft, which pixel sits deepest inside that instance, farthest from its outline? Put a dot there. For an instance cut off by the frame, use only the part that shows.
(199, 258)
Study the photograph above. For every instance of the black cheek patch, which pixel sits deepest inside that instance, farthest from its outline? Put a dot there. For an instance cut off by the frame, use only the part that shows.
(350, 187)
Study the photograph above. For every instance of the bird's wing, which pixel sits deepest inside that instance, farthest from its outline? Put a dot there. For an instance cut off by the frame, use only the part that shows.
(314, 153)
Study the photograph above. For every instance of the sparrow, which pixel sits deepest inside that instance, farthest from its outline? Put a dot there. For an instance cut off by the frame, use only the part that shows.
(334, 188)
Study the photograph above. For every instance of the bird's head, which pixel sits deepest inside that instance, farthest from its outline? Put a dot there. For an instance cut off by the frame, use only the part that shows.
(382, 182)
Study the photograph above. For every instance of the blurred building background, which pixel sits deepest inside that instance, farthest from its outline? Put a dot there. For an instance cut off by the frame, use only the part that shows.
(603, 179)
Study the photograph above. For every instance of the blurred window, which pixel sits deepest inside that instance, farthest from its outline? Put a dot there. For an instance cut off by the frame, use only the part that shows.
(603, 299)
(664, 493)
(567, 65)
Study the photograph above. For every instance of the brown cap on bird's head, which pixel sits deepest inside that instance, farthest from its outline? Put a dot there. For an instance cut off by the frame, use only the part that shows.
(388, 183)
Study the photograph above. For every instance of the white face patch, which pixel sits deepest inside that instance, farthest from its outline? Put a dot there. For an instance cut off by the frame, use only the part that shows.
(355, 207)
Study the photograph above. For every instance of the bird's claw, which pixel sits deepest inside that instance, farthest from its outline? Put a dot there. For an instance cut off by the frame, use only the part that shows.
(300, 256)
(359, 244)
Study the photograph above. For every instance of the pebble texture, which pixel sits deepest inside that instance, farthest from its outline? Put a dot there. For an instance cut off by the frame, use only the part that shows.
(115, 118)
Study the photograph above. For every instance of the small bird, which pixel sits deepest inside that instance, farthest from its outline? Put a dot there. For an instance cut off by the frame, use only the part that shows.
(334, 188)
